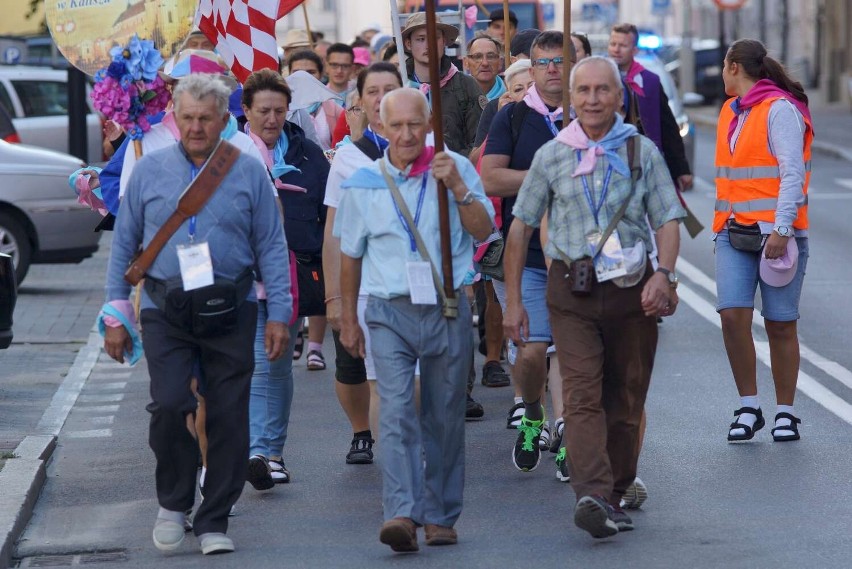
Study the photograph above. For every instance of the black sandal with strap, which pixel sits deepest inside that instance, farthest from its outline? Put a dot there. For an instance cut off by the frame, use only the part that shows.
(749, 431)
(793, 426)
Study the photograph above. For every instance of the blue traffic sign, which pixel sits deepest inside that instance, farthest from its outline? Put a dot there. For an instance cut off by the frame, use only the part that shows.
(11, 55)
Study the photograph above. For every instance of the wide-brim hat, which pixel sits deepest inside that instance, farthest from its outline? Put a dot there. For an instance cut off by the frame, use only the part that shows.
(418, 20)
(296, 38)
(191, 61)
(781, 271)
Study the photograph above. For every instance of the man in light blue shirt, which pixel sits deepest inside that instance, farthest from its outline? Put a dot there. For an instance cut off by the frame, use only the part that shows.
(378, 244)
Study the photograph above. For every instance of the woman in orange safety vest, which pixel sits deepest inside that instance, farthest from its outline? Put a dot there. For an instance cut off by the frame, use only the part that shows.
(763, 153)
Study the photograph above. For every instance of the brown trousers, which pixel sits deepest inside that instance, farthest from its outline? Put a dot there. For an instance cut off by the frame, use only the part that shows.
(606, 348)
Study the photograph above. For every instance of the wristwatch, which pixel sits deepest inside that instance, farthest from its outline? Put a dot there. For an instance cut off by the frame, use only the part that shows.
(467, 199)
(672, 278)
(782, 230)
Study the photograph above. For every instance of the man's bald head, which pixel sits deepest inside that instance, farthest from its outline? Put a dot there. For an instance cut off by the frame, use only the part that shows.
(406, 96)
(405, 117)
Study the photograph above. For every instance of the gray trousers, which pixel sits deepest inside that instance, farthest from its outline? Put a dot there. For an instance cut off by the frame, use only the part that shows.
(401, 334)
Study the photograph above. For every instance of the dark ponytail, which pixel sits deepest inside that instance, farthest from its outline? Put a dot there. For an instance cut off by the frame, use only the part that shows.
(751, 55)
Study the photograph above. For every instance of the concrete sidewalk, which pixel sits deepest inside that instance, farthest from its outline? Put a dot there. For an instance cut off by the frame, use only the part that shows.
(832, 128)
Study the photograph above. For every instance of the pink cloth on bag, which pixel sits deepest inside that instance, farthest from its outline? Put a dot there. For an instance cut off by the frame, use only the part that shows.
(426, 87)
(635, 69)
(534, 101)
(86, 196)
(574, 136)
(267, 159)
(761, 91)
(126, 308)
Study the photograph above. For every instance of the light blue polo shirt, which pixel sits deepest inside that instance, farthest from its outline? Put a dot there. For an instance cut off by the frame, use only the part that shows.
(369, 227)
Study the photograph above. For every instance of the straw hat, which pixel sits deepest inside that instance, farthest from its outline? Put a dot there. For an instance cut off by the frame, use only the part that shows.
(197, 61)
(418, 20)
(296, 38)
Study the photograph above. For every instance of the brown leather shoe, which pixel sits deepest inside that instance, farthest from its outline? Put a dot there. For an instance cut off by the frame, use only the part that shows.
(400, 534)
(440, 535)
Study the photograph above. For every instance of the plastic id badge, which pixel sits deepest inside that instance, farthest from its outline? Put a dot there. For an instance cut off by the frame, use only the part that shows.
(196, 266)
(609, 264)
(420, 283)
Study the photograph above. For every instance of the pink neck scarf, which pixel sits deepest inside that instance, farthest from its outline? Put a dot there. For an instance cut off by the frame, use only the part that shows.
(760, 91)
(266, 153)
(426, 87)
(423, 162)
(634, 71)
(535, 102)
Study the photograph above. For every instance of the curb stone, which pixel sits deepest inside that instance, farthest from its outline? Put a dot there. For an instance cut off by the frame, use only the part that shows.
(22, 479)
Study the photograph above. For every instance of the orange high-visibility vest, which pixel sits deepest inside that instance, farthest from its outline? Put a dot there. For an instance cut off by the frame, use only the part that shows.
(748, 181)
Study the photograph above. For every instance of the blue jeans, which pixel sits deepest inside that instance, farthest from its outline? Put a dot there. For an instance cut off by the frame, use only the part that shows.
(738, 278)
(271, 393)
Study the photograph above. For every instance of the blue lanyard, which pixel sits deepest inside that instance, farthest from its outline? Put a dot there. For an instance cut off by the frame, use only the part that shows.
(550, 125)
(405, 226)
(194, 170)
(596, 208)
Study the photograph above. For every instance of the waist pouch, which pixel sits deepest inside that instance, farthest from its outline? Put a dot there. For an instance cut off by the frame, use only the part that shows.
(204, 312)
(580, 273)
(745, 237)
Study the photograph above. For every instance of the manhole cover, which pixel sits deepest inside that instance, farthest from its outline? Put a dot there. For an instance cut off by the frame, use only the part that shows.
(72, 560)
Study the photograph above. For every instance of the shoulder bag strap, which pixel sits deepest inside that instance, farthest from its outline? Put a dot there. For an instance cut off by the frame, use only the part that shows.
(190, 203)
(635, 161)
(406, 214)
(369, 148)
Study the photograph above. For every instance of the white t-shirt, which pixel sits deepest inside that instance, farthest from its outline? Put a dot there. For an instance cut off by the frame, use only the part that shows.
(161, 137)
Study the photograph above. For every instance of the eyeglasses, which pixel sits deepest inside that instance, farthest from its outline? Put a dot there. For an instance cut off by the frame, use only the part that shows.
(356, 110)
(544, 62)
(477, 57)
(341, 66)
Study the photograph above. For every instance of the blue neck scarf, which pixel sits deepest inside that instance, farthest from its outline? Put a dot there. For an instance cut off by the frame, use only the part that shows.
(230, 129)
(279, 166)
(497, 90)
(380, 141)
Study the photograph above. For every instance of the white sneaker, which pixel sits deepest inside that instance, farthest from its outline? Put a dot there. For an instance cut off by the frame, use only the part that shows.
(544, 437)
(635, 495)
(168, 535)
(213, 543)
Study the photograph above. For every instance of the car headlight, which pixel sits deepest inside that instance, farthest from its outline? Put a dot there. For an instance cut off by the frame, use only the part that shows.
(684, 129)
(712, 70)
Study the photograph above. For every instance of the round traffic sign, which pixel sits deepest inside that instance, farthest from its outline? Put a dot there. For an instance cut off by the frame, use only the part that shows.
(730, 4)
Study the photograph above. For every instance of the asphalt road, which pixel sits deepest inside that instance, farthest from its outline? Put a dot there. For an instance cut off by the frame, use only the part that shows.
(758, 505)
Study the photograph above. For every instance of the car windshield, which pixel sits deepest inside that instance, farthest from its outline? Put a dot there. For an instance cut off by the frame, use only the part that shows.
(42, 98)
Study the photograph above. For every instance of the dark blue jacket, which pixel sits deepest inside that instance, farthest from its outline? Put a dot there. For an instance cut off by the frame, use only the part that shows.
(304, 213)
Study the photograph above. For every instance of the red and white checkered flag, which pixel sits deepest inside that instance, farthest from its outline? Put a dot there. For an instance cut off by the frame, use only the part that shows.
(243, 31)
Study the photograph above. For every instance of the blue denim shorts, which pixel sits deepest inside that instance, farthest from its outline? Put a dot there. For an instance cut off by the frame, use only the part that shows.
(738, 276)
(534, 297)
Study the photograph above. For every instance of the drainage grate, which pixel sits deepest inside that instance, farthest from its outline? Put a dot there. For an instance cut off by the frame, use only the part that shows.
(72, 560)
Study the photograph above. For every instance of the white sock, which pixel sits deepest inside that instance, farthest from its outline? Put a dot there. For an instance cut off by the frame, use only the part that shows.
(746, 418)
(784, 422)
(519, 400)
(203, 475)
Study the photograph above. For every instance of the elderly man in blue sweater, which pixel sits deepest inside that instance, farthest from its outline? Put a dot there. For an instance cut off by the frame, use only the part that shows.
(236, 230)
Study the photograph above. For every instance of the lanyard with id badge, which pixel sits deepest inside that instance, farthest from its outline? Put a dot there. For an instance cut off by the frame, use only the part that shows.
(196, 265)
(420, 281)
(608, 257)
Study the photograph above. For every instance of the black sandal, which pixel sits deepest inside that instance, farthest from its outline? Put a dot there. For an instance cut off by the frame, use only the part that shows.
(298, 345)
(793, 426)
(749, 431)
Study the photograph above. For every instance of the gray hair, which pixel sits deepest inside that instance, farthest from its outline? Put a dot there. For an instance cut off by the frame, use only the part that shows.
(396, 93)
(522, 65)
(613, 68)
(200, 86)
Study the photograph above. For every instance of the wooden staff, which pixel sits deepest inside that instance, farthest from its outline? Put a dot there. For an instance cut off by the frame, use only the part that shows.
(506, 52)
(308, 24)
(137, 297)
(567, 63)
(437, 119)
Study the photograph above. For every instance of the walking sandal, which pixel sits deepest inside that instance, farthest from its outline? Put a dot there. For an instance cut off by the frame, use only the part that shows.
(749, 431)
(793, 426)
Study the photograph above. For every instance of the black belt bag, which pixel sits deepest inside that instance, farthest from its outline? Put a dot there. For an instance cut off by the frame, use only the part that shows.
(204, 312)
(746, 238)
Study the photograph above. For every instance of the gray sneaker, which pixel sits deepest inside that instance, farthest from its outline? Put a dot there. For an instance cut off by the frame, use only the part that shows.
(592, 514)
(621, 519)
(635, 495)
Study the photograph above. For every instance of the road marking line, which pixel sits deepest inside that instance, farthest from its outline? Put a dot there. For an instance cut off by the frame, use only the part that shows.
(110, 398)
(92, 434)
(101, 420)
(98, 409)
(117, 385)
(806, 384)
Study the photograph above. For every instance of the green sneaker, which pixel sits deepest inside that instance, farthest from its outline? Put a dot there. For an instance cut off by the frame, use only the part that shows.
(562, 466)
(526, 454)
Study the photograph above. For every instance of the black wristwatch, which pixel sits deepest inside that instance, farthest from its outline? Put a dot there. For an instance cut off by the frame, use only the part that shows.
(672, 278)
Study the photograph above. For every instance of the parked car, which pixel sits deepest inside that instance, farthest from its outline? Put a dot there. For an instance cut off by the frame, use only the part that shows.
(7, 128)
(40, 219)
(708, 67)
(37, 100)
(8, 297)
